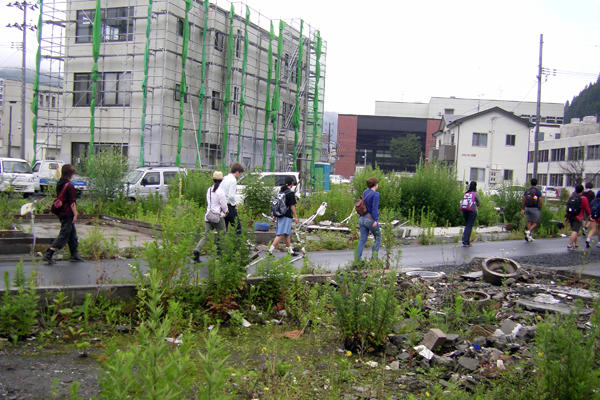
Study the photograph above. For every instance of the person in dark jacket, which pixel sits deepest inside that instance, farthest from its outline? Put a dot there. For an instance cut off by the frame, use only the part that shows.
(370, 221)
(575, 220)
(67, 217)
(471, 215)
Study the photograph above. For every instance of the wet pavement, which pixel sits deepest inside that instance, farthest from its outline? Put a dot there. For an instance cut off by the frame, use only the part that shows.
(545, 253)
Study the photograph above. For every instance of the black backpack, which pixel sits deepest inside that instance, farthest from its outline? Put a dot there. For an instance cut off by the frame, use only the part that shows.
(531, 197)
(595, 208)
(574, 205)
(278, 206)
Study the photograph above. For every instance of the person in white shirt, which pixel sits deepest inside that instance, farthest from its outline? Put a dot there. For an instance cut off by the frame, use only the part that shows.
(229, 186)
(216, 210)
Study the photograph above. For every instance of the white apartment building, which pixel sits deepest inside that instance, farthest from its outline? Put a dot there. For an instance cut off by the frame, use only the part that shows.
(489, 147)
(570, 156)
(171, 131)
(551, 113)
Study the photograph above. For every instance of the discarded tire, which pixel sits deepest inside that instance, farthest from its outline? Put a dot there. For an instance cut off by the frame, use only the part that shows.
(496, 269)
(477, 298)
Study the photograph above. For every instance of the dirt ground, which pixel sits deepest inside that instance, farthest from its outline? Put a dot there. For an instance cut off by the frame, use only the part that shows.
(28, 372)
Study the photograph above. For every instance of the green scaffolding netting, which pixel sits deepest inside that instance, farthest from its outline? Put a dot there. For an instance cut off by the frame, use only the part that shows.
(316, 106)
(96, 38)
(145, 83)
(268, 96)
(296, 116)
(276, 104)
(202, 92)
(36, 82)
(227, 97)
(183, 82)
(243, 84)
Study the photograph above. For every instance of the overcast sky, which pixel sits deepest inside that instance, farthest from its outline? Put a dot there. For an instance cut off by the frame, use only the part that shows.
(410, 51)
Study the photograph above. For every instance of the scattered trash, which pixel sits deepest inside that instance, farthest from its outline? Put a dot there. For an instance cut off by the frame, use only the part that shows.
(372, 364)
(425, 274)
(176, 341)
(497, 269)
(424, 352)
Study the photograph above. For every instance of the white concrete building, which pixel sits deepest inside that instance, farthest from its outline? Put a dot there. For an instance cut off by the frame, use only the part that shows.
(489, 147)
(570, 156)
(551, 113)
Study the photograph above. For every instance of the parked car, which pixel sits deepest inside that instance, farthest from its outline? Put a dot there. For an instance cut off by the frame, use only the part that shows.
(550, 192)
(46, 172)
(16, 176)
(337, 179)
(274, 180)
(146, 181)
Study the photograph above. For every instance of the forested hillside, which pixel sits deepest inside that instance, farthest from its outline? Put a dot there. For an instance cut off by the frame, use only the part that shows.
(586, 103)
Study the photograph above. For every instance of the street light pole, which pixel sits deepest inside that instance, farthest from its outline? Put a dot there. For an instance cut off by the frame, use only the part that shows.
(10, 127)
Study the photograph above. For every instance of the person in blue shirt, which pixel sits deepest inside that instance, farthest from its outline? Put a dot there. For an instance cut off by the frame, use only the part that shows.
(370, 221)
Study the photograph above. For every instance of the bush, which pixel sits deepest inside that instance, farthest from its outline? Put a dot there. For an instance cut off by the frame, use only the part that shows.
(6, 212)
(486, 212)
(278, 277)
(18, 312)
(435, 189)
(365, 308)
(96, 246)
(194, 186)
(510, 199)
(257, 196)
(389, 187)
(340, 203)
(106, 180)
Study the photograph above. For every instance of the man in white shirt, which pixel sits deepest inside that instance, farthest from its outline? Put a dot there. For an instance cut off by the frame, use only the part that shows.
(229, 186)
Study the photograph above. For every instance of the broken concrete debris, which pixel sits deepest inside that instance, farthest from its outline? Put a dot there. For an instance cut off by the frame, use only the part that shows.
(434, 338)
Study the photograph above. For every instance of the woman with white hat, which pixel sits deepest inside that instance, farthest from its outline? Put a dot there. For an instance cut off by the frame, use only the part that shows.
(216, 209)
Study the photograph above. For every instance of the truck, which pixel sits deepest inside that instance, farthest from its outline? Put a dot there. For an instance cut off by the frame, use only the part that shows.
(47, 173)
(16, 176)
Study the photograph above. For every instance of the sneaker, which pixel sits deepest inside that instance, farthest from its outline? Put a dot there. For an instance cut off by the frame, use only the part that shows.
(526, 235)
(293, 254)
(571, 248)
(598, 244)
(587, 244)
(584, 230)
(466, 244)
(75, 258)
(530, 238)
(196, 256)
(48, 257)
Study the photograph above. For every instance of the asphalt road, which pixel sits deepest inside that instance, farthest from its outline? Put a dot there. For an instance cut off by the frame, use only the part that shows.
(549, 253)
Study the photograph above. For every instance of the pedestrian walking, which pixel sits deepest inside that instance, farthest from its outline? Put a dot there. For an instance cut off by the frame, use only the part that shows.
(589, 194)
(285, 216)
(369, 222)
(67, 214)
(468, 207)
(531, 208)
(229, 186)
(577, 205)
(594, 221)
(216, 210)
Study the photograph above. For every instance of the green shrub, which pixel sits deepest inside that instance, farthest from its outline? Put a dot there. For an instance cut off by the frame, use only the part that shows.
(340, 203)
(6, 212)
(486, 212)
(194, 186)
(435, 189)
(257, 196)
(106, 180)
(564, 360)
(18, 312)
(328, 241)
(365, 308)
(278, 277)
(96, 246)
(510, 199)
(389, 187)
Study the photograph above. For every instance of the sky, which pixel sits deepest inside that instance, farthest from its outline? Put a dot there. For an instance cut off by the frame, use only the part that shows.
(394, 50)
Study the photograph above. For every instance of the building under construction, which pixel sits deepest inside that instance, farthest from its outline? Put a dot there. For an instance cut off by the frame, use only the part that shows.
(180, 82)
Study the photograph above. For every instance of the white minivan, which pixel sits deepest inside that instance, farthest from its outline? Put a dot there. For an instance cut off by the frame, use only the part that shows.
(274, 180)
(147, 181)
(46, 172)
(16, 176)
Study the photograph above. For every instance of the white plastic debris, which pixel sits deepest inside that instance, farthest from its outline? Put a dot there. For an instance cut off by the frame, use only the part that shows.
(176, 341)
(372, 364)
(424, 352)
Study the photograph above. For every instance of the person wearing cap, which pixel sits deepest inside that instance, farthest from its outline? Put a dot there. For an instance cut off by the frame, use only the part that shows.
(229, 187)
(216, 210)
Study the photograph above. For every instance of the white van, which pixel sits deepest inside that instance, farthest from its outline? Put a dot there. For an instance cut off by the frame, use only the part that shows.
(15, 175)
(273, 180)
(46, 172)
(146, 181)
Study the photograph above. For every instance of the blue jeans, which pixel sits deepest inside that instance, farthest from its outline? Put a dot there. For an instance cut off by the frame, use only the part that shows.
(469, 217)
(365, 224)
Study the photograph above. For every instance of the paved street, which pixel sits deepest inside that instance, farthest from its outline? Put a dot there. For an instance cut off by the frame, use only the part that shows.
(548, 253)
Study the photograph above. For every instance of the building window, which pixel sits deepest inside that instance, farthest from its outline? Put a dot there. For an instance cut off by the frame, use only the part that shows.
(448, 111)
(543, 156)
(216, 101)
(556, 179)
(510, 140)
(117, 25)
(508, 174)
(479, 139)
(593, 152)
(559, 120)
(530, 156)
(542, 179)
(557, 154)
(478, 174)
(180, 23)
(575, 154)
(236, 97)
(113, 89)
(573, 179)
(178, 93)
(219, 41)
(238, 44)
(557, 136)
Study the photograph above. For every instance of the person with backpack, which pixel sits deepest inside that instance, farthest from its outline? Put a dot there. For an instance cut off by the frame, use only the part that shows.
(594, 220)
(229, 186)
(67, 214)
(368, 222)
(468, 207)
(531, 209)
(284, 211)
(216, 210)
(589, 194)
(576, 206)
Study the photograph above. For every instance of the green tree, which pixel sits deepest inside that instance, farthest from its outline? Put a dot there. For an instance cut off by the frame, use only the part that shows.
(407, 150)
(587, 102)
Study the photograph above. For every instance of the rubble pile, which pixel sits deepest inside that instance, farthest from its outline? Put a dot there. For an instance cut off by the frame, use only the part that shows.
(471, 348)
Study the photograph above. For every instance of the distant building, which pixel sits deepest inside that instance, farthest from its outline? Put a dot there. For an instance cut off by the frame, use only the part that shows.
(489, 147)
(570, 156)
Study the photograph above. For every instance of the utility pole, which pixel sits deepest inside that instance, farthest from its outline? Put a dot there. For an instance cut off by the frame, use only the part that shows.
(11, 102)
(537, 113)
